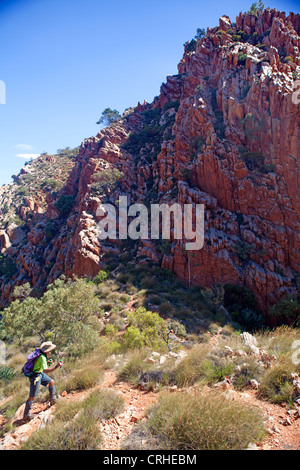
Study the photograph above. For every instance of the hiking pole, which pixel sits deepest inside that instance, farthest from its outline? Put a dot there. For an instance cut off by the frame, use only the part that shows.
(61, 375)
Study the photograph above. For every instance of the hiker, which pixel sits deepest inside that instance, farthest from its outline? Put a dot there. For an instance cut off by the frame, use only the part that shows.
(39, 376)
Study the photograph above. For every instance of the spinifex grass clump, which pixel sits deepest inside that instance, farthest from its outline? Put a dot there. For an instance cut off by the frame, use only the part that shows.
(66, 411)
(190, 369)
(79, 434)
(104, 404)
(135, 366)
(84, 379)
(276, 384)
(206, 421)
(200, 365)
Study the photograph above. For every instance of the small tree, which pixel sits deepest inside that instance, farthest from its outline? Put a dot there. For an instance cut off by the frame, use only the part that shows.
(255, 7)
(105, 180)
(64, 204)
(200, 33)
(109, 116)
(8, 266)
(260, 5)
(101, 277)
(64, 315)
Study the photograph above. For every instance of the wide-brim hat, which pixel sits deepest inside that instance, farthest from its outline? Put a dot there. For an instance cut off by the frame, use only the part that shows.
(47, 346)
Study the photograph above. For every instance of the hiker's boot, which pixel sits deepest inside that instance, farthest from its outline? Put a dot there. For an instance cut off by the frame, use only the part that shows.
(53, 398)
(27, 415)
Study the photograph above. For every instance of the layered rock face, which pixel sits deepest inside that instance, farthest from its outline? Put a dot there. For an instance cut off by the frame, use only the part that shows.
(224, 132)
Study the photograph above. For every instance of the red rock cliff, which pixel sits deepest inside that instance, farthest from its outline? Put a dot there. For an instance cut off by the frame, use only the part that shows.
(224, 132)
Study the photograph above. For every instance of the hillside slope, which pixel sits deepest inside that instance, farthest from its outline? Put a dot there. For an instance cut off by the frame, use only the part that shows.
(224, 132)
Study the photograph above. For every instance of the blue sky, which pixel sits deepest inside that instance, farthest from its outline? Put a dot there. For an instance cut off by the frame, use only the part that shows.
(64, 61)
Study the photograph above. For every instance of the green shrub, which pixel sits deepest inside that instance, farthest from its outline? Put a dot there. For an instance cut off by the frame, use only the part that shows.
(253, 160)
(8, 267)
(287, 310)
(166, 308)
(109, 116)
(170, 105)
(190, 45)
(178, 328)
(241, 302)
(220, 128)
(155, 299)
(267, 168)
(64, 204)
(148, 282)
(216, 369)
(106, 180)
(207, 421)
(101, 277)
(187, 175)
(146, 329)
(242, 58)
(200, 33)
(245, 91)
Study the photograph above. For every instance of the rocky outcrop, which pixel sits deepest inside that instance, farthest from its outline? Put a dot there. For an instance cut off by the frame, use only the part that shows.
(225, 132)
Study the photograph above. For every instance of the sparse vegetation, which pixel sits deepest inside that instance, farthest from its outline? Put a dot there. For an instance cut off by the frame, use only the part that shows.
(8, 266)
(105, 180)
(242, 58)
(287, 310)
(79, 434)
(276, 385)
(64, 204)
(135, 366)
(103, 404)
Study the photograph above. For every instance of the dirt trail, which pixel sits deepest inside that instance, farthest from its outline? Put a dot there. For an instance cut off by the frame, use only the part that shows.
(283, 424)
(114, 431)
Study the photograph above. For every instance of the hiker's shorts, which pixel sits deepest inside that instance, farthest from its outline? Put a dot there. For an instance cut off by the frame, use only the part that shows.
(36, 381)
